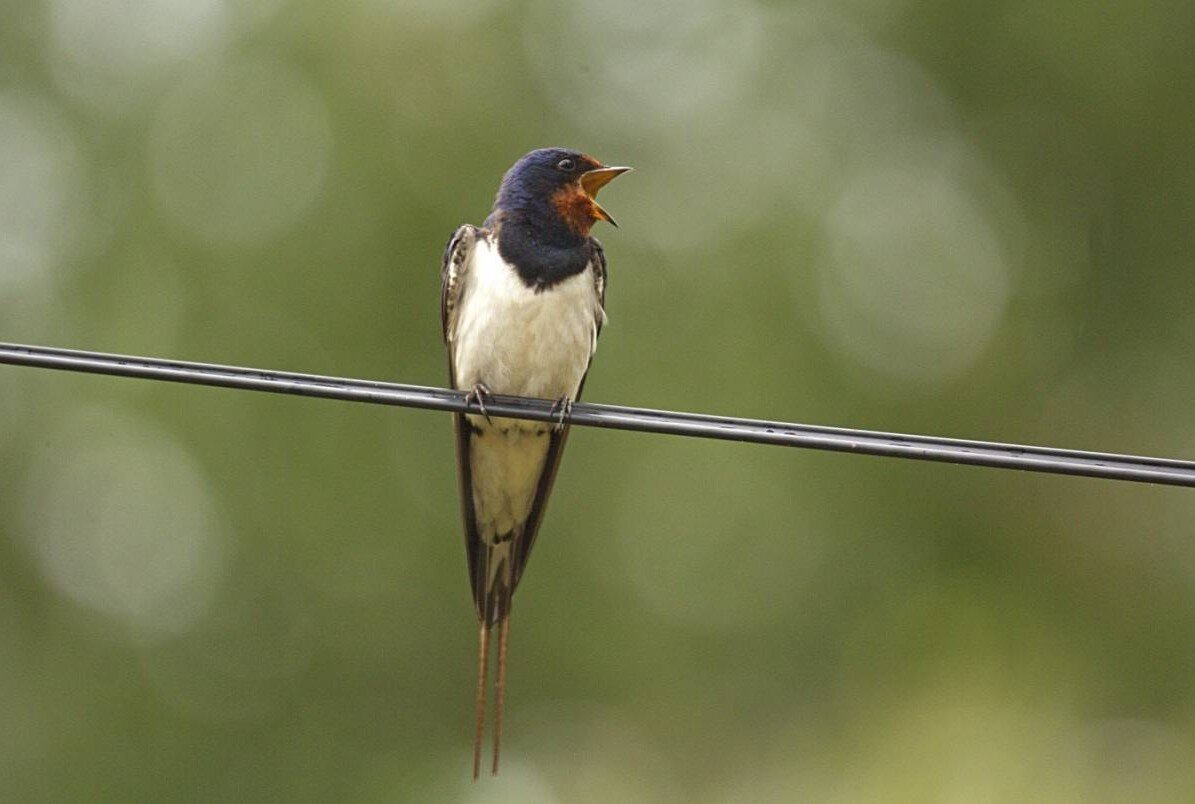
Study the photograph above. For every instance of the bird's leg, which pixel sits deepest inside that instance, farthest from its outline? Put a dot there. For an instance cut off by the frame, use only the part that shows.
(479, 393)
(483, 655)
(500, 686)
(562, 409)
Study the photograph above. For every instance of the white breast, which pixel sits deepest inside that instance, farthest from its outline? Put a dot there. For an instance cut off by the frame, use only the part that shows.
(520, 342)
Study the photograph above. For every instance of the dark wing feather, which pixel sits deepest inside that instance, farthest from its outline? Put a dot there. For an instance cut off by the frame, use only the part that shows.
(452, 282)
(558, 439)
(599, 282)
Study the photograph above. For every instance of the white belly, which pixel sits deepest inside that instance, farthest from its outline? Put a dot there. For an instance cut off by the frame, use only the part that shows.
(522, 343)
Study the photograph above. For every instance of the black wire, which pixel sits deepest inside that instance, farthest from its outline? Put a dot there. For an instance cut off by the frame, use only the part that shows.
(865, 442)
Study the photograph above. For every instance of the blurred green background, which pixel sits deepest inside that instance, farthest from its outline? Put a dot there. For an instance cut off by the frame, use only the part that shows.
(967, 219)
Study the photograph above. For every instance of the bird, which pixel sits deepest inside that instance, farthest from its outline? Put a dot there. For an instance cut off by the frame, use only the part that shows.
(522, 302)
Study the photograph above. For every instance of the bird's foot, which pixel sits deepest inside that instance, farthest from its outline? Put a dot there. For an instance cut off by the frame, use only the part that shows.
(478, 394)
(562, 409)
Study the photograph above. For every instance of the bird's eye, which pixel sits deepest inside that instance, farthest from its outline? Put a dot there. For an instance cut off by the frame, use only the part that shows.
(566, 164)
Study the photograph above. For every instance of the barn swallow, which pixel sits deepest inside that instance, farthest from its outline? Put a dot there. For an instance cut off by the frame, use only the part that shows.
(521, 304)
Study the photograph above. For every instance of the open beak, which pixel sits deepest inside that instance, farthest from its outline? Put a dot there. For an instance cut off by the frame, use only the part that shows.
(594, 180)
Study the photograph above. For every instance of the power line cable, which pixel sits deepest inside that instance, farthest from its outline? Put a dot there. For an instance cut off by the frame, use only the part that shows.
(728, 428)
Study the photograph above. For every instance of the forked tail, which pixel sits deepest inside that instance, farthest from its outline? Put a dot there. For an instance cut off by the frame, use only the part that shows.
(493, 610)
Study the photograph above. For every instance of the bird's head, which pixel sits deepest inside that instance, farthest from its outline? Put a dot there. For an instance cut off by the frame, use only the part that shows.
(559, 185)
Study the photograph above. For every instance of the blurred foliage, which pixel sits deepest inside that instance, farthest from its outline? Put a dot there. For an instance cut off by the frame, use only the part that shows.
(969, 219)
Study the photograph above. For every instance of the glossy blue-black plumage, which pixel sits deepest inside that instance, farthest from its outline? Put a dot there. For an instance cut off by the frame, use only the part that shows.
(532, 234)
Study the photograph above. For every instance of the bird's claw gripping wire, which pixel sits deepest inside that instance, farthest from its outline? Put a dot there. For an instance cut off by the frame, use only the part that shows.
(478, 395)
(562, 409)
